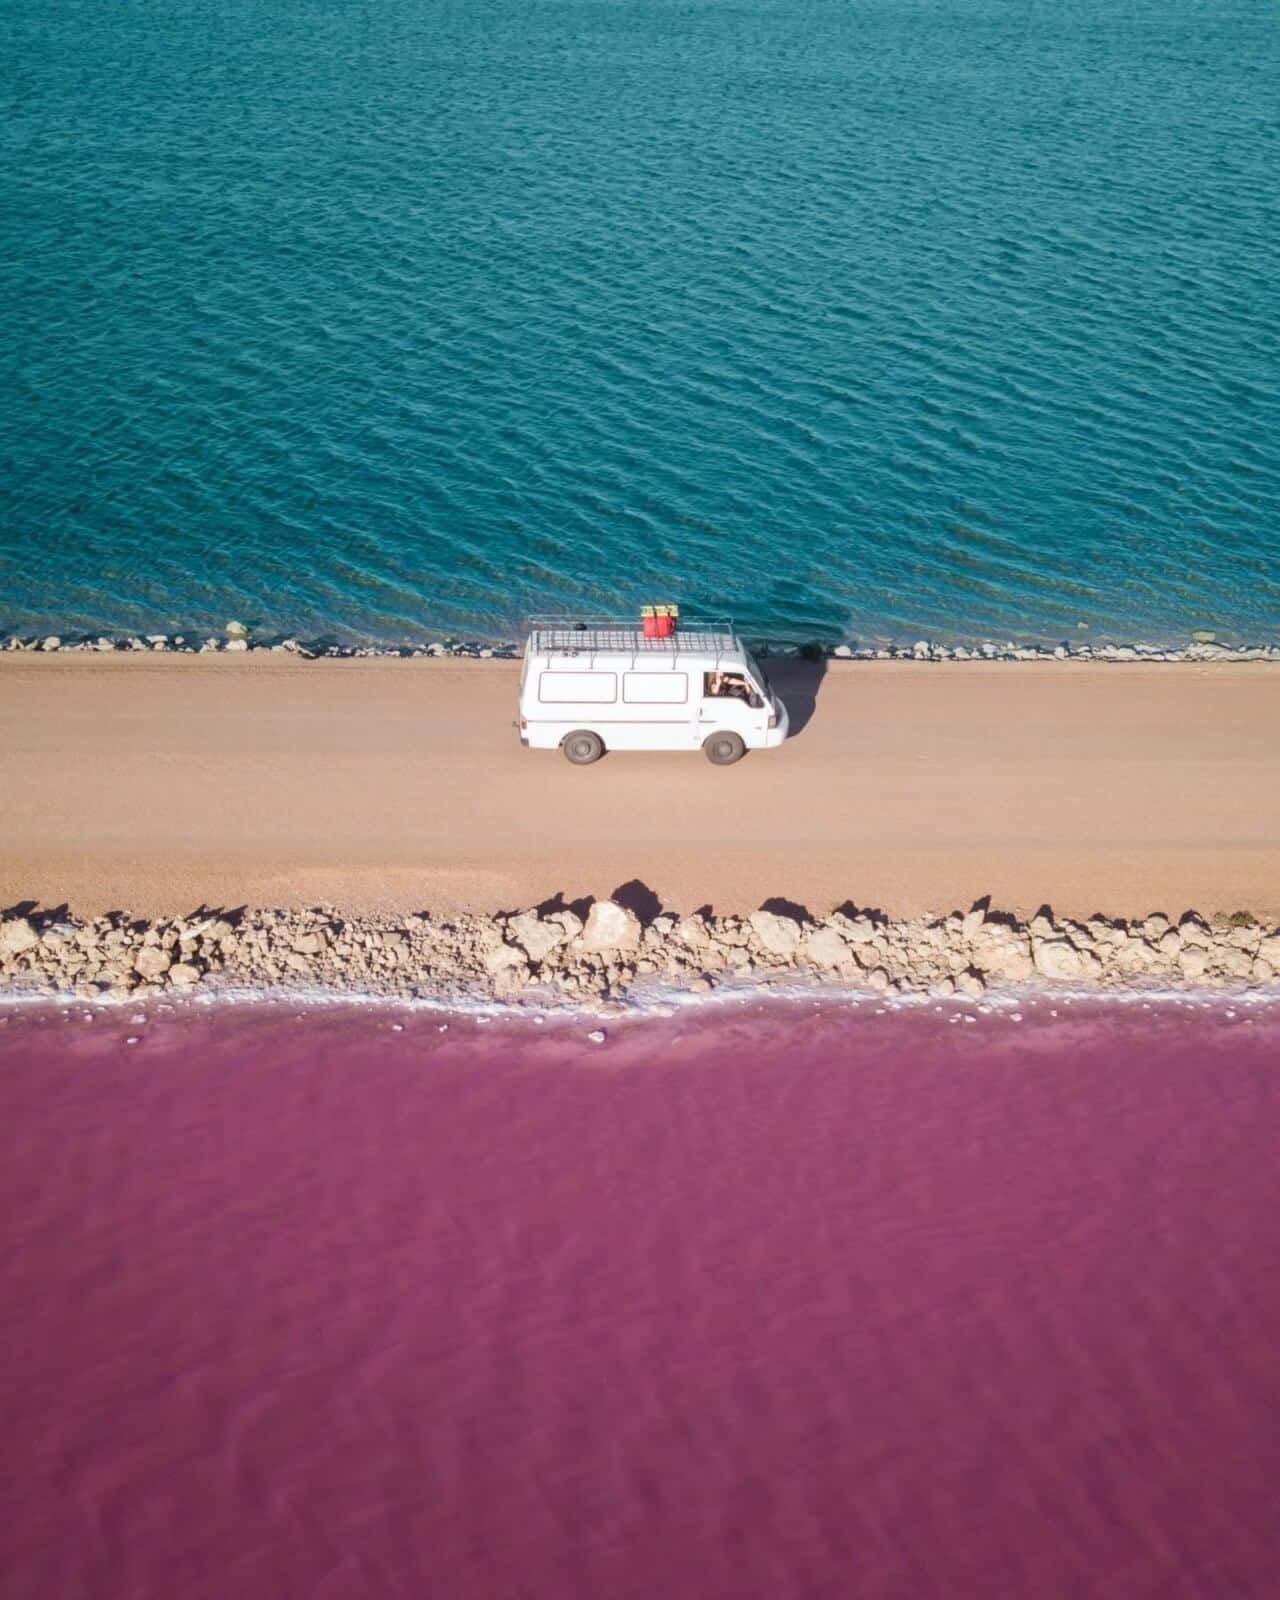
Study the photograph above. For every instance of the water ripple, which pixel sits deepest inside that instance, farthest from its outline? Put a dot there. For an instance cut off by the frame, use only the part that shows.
(849, 319)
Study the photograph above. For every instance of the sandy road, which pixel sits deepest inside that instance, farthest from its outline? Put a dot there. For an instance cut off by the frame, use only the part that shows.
(159, 783)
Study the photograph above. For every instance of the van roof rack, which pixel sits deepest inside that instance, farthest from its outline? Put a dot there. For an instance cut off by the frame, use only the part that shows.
(547, 634)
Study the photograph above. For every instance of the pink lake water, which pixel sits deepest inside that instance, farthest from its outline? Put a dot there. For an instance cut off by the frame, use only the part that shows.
(783, 1300)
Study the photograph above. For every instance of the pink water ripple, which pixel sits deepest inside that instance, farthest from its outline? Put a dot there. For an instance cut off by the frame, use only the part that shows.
(777, 1301)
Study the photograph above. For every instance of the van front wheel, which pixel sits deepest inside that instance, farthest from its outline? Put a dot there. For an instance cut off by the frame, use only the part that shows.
(723, 749)
(582, 748)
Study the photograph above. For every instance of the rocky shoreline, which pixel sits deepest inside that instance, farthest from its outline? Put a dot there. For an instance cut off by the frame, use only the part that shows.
(239, 640)
(602, 953)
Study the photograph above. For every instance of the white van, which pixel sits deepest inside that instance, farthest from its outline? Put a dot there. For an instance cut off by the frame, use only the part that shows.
(588, 687)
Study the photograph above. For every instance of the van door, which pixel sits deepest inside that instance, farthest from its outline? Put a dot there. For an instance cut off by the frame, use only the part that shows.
(730, 701)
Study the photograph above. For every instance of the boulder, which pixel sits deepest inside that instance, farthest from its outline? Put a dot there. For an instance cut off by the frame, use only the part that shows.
(692, 931)
(509, 980)
(1135, 957)
(536, 938)
(1234, 963)
(826, 949)
(970, 985)
(1269, 950)
(568, 920)
(152, 962)
(1061, 961)
(311, 943)
(780, 936)
(16, 936)
(182, 975)
(1003, 954)
(610, 926)
(1193, 962)
(502, 956)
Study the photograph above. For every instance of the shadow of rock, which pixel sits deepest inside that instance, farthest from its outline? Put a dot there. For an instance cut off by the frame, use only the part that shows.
(787, 908)
(546, 908)
(639, 898)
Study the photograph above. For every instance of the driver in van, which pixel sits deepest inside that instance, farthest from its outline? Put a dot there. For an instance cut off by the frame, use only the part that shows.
(728, 686)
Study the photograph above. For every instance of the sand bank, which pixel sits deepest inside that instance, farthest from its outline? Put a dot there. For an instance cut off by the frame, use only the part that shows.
(159, 783)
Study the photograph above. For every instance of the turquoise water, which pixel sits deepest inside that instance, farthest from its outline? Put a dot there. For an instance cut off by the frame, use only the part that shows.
(872, 318)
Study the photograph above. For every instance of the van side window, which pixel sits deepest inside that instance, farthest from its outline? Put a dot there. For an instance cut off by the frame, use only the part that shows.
(586, 688)
(655, 688)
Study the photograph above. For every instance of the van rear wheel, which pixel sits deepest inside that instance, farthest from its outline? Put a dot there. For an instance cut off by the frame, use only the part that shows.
(723, 749)
(582, 748)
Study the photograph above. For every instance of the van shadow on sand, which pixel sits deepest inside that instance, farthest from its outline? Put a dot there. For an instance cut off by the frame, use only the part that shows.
(797, 683)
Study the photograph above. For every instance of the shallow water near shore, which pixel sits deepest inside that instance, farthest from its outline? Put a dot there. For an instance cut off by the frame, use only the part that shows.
(777, 1299)
(888, 320)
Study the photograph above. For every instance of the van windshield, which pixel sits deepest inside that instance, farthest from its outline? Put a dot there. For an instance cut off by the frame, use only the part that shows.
(758, 673)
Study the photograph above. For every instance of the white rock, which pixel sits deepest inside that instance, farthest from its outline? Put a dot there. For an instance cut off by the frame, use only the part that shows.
(1235, 963)
(1003, 954)
(535, 937)
(1057, 959)
(508, 981)
(1269, 950)
(183, 975)
(568, 920)
(826, 949)
(235, 630)
(236, 644)
(1193, 962)
(610, 926)
(152, 962)
(780, 936)
(502, 956)
(16, 936)
(597, 1036)
(51, 643)
(1135, 957)
(970, 985)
